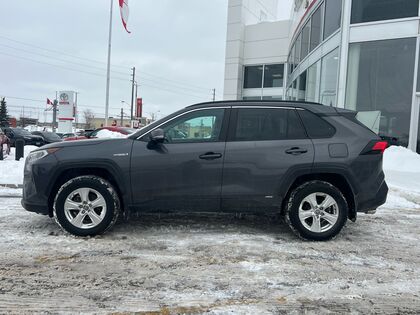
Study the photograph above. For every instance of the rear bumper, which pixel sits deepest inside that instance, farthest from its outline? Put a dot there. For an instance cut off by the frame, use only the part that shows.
(377, 201)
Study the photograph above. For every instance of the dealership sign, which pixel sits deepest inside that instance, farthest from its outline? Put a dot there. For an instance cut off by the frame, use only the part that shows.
(66, 111)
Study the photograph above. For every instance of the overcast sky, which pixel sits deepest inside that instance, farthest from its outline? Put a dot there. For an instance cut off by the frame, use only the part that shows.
(177, 46)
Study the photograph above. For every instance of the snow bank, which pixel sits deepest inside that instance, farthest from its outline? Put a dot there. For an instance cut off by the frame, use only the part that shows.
(401, 159)
(402, 170)
(11, 171)
(104, 133)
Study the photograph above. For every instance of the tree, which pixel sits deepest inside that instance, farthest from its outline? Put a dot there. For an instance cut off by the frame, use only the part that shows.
(89, 116)
(4, 118)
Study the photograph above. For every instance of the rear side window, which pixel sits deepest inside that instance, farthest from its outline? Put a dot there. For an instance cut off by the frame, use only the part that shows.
(316, 127)
(268, 124)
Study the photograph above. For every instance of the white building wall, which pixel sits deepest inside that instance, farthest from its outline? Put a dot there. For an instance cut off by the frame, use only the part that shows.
(253, 37)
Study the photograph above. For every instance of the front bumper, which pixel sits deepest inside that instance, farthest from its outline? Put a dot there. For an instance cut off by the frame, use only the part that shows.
(36, 185)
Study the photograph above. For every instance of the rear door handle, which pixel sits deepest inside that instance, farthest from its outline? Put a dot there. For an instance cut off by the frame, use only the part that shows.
(210, 156)
(296, 151)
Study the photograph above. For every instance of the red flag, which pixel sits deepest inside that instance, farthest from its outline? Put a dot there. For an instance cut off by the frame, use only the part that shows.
(124, 13)
(49, 101)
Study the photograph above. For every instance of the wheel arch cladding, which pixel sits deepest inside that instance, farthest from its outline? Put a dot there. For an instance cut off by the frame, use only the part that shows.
(71, 172)
(337, 180)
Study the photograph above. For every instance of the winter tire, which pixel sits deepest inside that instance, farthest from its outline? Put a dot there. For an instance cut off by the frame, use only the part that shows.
(86, 206)
(316, 211)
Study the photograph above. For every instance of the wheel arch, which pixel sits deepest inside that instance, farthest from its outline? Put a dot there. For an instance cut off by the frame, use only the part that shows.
(67, 173)
(334, 178)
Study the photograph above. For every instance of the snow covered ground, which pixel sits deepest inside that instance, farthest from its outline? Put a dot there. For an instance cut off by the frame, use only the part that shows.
(217, 264)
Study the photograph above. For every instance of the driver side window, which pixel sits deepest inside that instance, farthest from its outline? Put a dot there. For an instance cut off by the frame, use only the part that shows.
(199, 126)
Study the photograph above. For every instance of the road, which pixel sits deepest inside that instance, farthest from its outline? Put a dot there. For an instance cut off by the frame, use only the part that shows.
(209, 264)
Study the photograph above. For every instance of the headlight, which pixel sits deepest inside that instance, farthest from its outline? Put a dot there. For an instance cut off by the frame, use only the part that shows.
(37, 155)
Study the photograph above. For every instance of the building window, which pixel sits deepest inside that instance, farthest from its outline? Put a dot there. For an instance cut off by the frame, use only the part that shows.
(377, 10)
(251, 98)
(297, 49)
(380, 86)
(316, 26)
(332, 17)
(329, 77)
(273, 98)
(312, 83)
(253, 77)
(273, 76)
(302, 87)
(305, 41)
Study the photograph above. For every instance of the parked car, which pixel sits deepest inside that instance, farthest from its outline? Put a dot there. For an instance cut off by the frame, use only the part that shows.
(19, 133)
(48, 137)
(93, 134)
(4, 143)
(68, 135)
(315, 165)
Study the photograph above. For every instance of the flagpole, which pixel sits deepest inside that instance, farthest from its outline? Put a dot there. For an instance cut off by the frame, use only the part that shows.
(108, 72)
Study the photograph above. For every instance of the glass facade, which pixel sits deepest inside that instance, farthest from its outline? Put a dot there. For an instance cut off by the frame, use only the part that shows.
(380, 86)
(332, 17)
(377, 10)
(329, 77)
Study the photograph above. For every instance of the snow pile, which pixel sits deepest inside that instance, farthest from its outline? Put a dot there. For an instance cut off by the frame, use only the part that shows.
(402, 169)
(11, 171)
(104, 133)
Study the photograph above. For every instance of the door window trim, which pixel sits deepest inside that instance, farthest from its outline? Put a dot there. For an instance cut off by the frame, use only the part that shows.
(223, 131)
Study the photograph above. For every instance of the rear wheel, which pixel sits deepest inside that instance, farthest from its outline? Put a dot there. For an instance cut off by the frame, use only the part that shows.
(86, 206)
(317, 211)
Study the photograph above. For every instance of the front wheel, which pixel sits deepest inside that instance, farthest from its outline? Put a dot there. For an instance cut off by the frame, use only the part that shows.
(317, 211)
(86, 206)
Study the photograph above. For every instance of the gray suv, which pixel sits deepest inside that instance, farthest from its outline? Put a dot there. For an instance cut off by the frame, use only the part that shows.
(315, 165)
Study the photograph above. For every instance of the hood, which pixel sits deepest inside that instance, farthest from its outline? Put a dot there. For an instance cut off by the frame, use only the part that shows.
(81, 143)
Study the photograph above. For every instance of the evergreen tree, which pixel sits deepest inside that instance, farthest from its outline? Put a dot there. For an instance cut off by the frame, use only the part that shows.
(4, 118)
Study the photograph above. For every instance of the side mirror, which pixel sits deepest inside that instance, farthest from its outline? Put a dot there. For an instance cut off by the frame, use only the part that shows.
(157, 136)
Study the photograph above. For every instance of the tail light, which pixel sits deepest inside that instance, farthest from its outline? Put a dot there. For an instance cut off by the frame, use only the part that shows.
(375, 147)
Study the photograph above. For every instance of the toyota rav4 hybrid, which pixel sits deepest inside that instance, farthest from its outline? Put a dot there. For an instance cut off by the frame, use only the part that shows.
(315, 165)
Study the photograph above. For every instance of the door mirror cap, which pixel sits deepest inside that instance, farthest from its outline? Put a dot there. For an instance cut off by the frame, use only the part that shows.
(157, 136)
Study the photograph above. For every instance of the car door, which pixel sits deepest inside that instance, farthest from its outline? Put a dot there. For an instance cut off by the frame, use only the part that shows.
(184, 172)
(266, 147)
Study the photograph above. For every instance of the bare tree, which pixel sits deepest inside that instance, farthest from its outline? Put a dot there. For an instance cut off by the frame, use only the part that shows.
(89, 116)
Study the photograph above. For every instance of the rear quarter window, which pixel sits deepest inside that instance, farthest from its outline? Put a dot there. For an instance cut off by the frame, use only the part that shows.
(316, 127)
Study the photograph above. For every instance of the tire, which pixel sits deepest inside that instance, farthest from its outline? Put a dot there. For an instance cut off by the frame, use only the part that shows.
(86, 206)
(316, 211)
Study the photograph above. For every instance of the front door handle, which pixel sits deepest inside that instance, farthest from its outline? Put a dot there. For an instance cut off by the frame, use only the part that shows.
(296, 151)
(210, 156)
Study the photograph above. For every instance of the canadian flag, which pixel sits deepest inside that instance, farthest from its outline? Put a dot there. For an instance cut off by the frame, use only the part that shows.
(125, 12)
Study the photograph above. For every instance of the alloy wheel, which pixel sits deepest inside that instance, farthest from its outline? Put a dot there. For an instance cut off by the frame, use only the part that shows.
(85, 208)
(318, 212)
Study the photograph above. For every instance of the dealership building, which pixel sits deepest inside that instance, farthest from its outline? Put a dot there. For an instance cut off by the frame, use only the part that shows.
(361, 55)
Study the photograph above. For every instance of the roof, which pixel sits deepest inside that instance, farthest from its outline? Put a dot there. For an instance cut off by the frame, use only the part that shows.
(314, 107)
